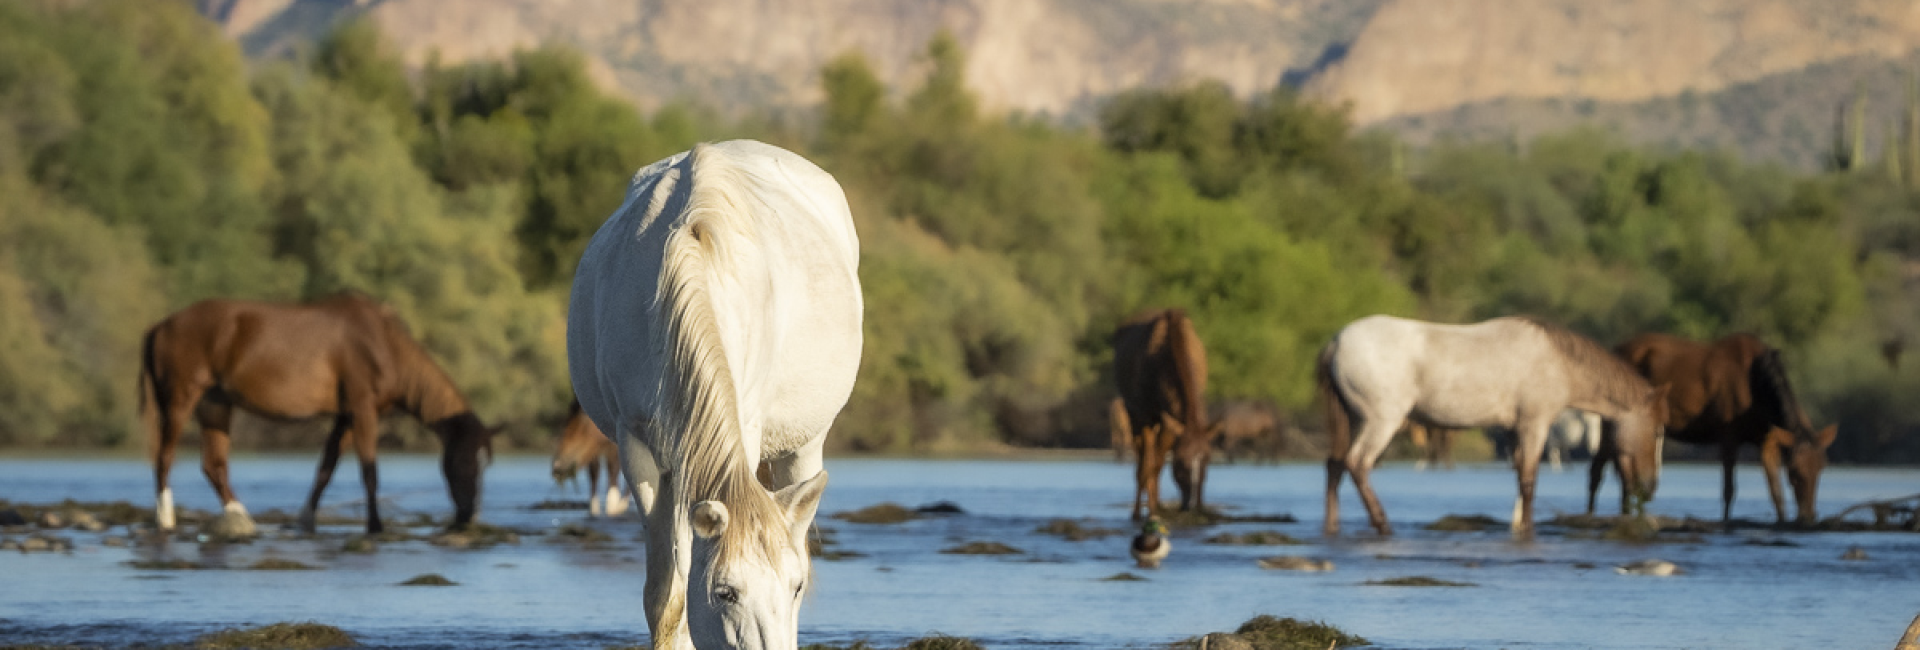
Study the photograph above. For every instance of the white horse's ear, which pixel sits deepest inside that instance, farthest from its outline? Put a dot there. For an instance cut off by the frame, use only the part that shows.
(709, 519)
(801, 501)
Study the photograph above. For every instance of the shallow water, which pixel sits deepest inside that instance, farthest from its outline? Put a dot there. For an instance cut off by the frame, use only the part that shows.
(548, 593)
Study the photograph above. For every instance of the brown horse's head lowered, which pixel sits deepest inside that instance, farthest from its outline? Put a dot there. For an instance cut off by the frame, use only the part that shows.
(346, 356)
(1731, 393)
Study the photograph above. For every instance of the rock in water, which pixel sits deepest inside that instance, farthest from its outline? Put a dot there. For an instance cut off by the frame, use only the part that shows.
(84, 520)
(233, 523)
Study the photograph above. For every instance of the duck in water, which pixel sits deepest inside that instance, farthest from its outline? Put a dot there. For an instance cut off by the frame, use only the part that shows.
(1151, 545)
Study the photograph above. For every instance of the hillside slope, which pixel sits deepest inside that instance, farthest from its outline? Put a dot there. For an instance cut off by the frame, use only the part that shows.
(1041, 56)
(1419, 57)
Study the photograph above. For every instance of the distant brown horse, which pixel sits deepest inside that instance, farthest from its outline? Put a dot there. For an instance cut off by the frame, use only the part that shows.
(1436, 444)
(1119, 429)
(1161, 369)
(1732, 392)
(346, 356)
(582, 444)
(1249, 428)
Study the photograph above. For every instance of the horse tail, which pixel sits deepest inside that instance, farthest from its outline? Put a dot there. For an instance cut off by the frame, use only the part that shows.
(1339, 417)
(1767, 378)
(153, 410)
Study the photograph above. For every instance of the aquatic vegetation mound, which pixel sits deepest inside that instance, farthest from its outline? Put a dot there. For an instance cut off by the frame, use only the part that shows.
(280, 636)
(1073, 531)
(429, 580)
(1417, 581)
(1266, 632)
(278, 564)
(1255, 538)
(932, 642)
(1465, 523)
(879, 513)
(982, 548)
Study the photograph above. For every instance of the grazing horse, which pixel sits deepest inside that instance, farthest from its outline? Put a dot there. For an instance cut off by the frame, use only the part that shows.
(583, 445)
(1516, 373)
(1161, 369)
(1732, 392)
(1248, 427)
(346, 355)
(715, 324)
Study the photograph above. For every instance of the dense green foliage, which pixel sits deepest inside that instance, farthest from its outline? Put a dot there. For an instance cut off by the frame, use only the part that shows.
(146, 167)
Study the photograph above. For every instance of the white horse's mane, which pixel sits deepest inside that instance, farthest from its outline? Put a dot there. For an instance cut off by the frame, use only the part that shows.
(700, 399)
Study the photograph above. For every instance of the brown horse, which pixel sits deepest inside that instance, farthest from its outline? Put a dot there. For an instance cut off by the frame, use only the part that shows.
(582, 444)
(1119, 429)
(1732, 392)
(1161, 369)
(1436, 444)
(1249, 428)
(346, 356)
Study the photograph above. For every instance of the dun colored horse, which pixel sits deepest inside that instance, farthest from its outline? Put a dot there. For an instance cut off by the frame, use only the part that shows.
(1517, 373)
(346, 356)
(1249, 428)
(1732, 393)
(715, 325)
(1161, 369)
(583, 445)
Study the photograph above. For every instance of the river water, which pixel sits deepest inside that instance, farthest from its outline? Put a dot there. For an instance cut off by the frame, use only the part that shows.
(1751, 588)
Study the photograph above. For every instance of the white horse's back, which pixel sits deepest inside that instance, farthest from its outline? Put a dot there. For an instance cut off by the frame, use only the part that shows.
(1452, 376)
(783, 283)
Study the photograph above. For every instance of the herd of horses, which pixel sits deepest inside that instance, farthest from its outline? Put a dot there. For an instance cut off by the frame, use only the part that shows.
(714, 332)
(1537, 382)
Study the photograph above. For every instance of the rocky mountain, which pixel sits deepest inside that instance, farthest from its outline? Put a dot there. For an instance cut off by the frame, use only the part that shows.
(1479, 67)
(1038, 56)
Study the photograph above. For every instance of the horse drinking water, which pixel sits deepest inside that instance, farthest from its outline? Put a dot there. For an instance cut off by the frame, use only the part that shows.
(1161, 369)
(715, 324)
(1732, 392)
(346, 355)
(583, 445)
(1516, 373)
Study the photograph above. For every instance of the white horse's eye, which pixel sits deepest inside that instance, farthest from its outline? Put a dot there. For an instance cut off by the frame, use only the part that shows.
(727, 594)
(798, 589)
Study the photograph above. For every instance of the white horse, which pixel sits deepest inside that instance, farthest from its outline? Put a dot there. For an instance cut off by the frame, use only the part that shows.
(1573, 429)
(1515, 373)
(715, 324)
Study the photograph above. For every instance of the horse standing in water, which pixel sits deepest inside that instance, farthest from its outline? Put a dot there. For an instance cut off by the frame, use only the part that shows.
(1732, 392)
(1161, 369)
(583, 445)
(346, 355)
(1517, 373)
(715, 324)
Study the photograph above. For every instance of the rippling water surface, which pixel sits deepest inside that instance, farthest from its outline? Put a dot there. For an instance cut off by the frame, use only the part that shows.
(1746, 589)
